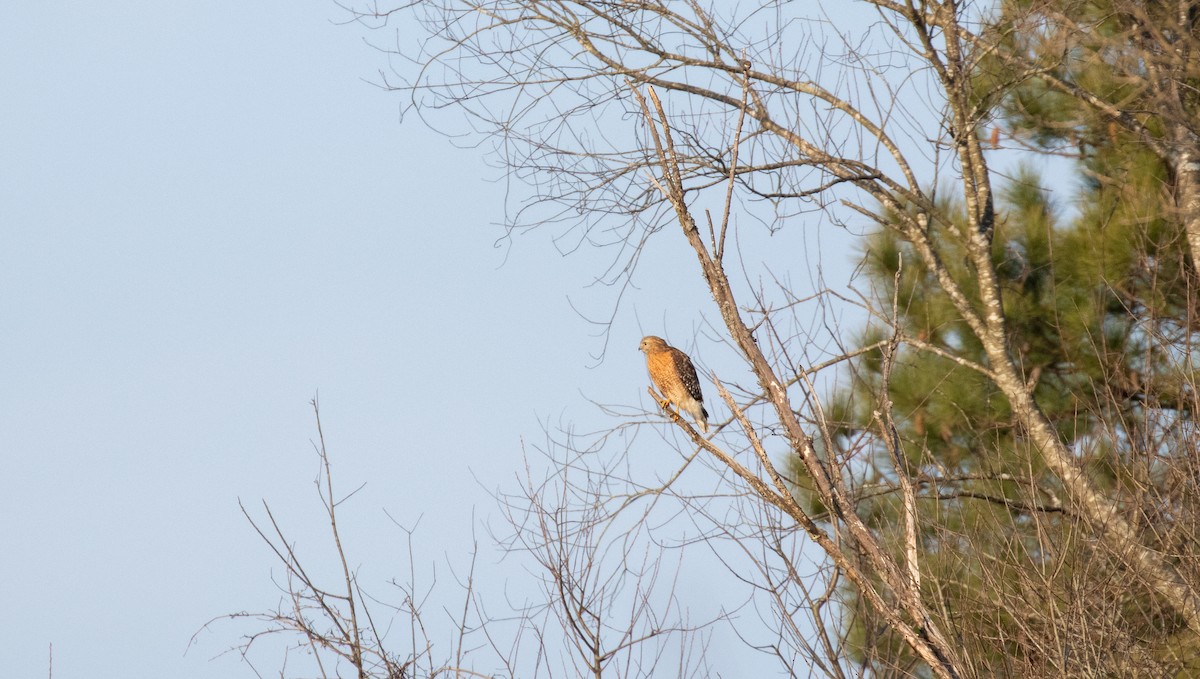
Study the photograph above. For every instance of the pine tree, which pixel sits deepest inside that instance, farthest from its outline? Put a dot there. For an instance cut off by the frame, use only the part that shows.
(1099, 294)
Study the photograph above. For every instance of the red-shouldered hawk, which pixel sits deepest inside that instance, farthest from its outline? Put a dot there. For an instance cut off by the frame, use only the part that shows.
(673, 373)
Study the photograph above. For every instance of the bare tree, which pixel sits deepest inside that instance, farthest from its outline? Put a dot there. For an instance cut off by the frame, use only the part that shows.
(626, 117)
(607, 590)
(339, 625)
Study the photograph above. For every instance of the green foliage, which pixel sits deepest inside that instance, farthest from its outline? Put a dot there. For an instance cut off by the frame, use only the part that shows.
(1081, 302)
(1100, 309)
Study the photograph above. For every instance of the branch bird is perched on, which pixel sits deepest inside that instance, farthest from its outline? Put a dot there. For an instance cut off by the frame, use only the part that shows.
(673, 373)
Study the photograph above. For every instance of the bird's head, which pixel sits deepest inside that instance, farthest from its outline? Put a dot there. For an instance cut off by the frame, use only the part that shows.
(652, 343)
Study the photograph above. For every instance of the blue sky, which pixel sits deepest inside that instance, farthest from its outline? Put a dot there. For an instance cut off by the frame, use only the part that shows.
(208, 216)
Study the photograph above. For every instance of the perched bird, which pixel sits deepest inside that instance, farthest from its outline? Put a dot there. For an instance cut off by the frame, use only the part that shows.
(673, 373)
